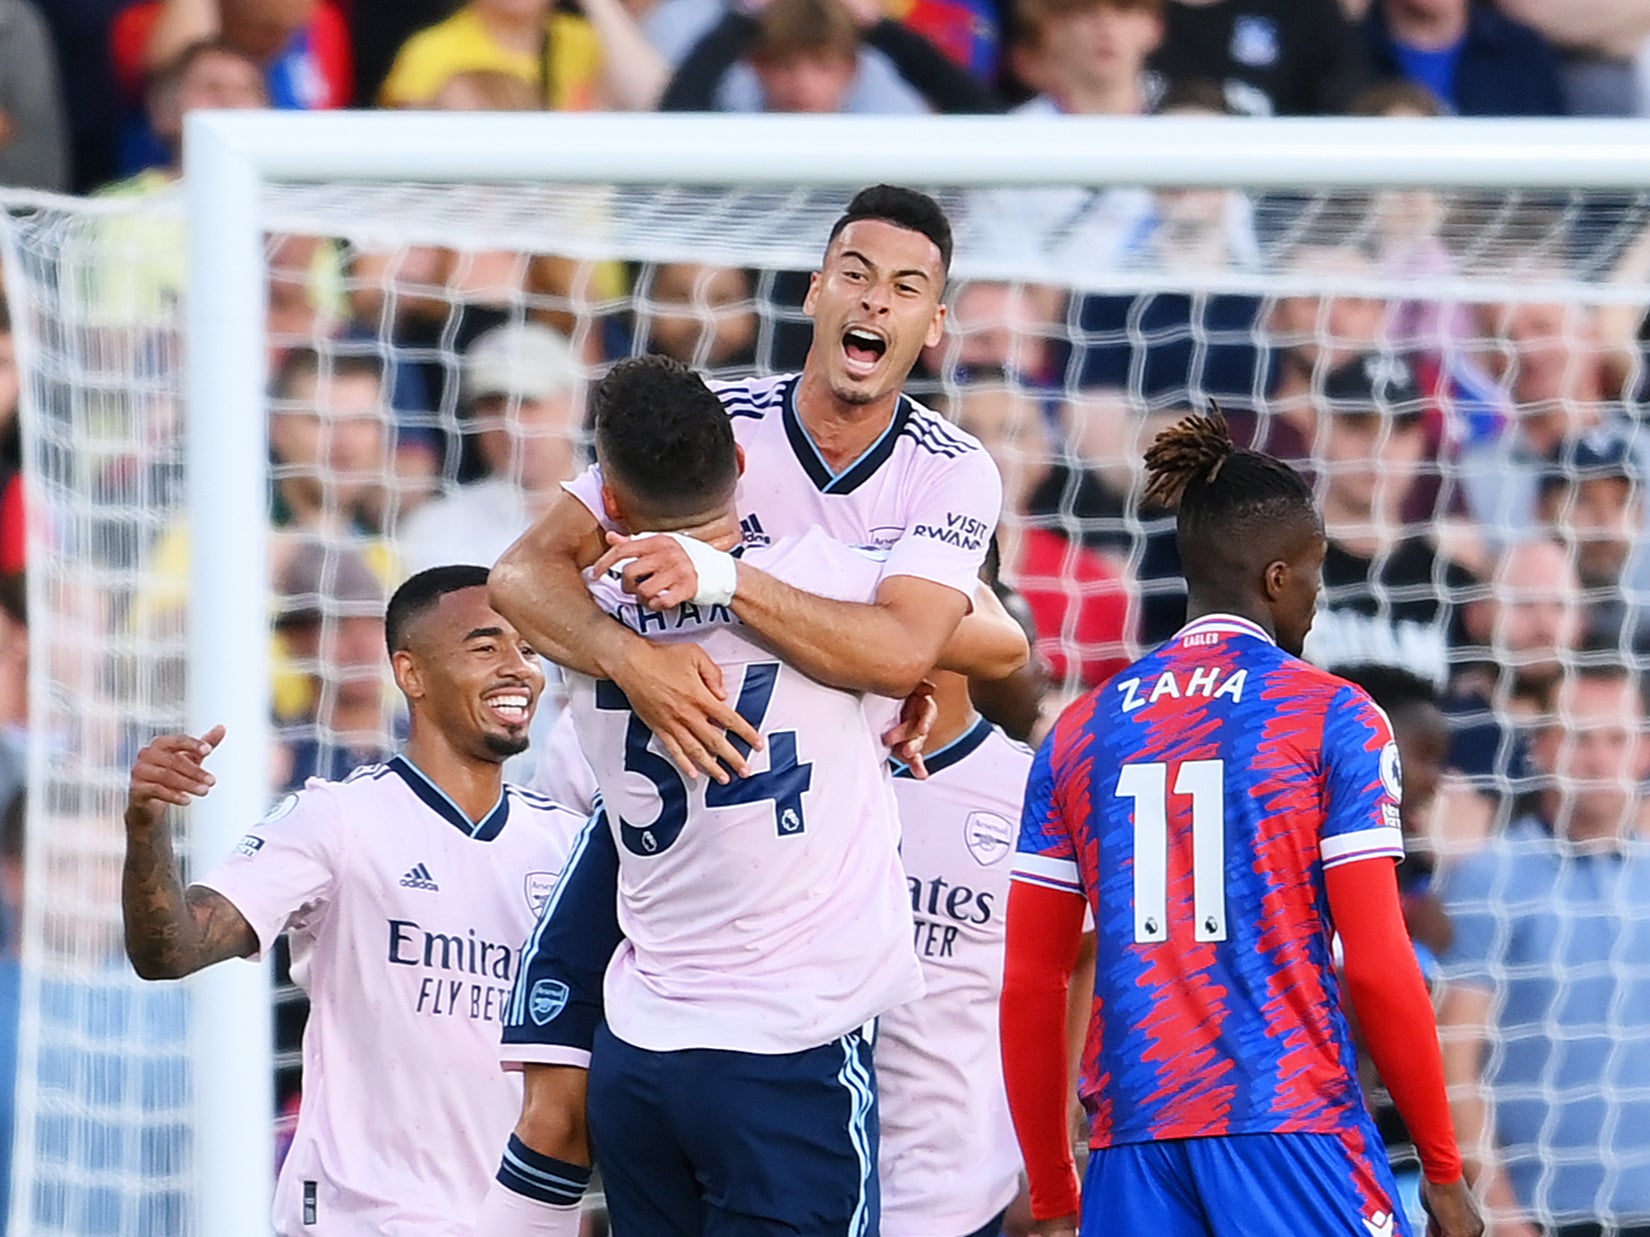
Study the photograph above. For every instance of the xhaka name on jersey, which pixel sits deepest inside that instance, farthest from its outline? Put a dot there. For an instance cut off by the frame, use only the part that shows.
(1203, 681)
(440, 995)
(941, 909)
(641, 620)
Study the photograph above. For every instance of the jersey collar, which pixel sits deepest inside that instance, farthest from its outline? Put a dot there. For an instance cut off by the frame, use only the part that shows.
(952, 753)
(857, 473)
(439, 802)
(1224, 625)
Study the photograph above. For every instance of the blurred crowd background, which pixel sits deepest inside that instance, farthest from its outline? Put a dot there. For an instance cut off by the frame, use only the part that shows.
(1480, 458)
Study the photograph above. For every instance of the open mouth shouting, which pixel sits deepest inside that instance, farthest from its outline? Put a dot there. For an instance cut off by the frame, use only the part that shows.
(862, 350)
(512, 706)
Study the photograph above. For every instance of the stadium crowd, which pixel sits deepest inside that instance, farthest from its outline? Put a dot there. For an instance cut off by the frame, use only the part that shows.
(1481, 467)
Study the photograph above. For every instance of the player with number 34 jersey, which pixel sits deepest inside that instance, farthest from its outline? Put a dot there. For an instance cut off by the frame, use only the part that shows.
(769, 914)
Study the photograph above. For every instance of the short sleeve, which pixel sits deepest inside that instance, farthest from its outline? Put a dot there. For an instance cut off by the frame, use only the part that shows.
(1362, 782)
(1467, 894)
(283, 872)
(1047, 854)
(587, 488)
(951, 523)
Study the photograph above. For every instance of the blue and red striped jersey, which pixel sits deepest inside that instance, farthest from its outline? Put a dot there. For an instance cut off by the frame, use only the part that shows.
(1196, 800)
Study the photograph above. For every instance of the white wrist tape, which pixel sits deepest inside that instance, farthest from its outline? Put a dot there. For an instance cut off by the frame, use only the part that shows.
(717, 569)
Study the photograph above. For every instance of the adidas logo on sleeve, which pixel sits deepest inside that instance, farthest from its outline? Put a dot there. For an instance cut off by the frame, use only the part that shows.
(418, 877)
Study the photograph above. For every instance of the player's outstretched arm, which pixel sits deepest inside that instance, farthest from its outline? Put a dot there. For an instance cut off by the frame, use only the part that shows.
(172, 931)
(676, 690)
(1389, 998)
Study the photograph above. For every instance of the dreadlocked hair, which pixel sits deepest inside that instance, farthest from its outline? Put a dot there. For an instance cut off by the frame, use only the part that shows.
(1194, 465)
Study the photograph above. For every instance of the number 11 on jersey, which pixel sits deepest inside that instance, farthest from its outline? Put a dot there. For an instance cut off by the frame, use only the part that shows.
(1204, 782)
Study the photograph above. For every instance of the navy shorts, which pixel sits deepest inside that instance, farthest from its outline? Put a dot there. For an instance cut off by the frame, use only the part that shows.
(1328, 1185)
(557, 1001)
(737, 1144)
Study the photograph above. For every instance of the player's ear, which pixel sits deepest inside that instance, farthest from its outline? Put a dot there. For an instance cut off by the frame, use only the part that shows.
(936, 328)
(1275, 579)
(809, 301)
(610, 504)
(407, 675)
(739, 457)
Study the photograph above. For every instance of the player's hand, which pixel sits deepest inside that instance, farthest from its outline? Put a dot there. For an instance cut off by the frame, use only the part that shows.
(676, 689)
(1451, 1210)
(169, 773)
(917, 714)
(657, 570)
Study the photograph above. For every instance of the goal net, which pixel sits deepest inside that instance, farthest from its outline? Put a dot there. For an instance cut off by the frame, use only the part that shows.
(1458, 371)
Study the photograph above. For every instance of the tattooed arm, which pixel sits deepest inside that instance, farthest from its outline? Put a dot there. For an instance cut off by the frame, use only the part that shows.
(170, 931)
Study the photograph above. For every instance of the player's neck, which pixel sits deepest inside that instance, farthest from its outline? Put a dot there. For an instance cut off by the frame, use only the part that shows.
(957, 714)
(842, 432)
(473, 784)
(1198, 607)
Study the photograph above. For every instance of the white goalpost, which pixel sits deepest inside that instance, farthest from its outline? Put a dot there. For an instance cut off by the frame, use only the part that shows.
(619, 197)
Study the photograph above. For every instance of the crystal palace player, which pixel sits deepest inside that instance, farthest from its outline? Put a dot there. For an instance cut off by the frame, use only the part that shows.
(407, 889)
(1225, 808)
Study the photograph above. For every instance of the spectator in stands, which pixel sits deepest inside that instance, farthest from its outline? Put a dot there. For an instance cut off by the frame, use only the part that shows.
(1477, 61)
(1000, 328)
(1548, 355)
(703, 316)
(599, 60)
(806, 57)
(1521, 630)
(1545, 1016)
(676, 27)
(329, 442)
(330, 621)
(300, 47)
(1083, 58)
(433, 301)
(91, 98)
(1388, 594)
(204, 75)
(1269, 57)
(1087, 57)
(1410, 247)
(146, 285)
(1076, 596)
(34, 140)
(521, 386)
(1592, 499)
(1597, 46)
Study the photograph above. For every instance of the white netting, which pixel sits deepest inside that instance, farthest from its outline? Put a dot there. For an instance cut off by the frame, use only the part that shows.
(1484, 331)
